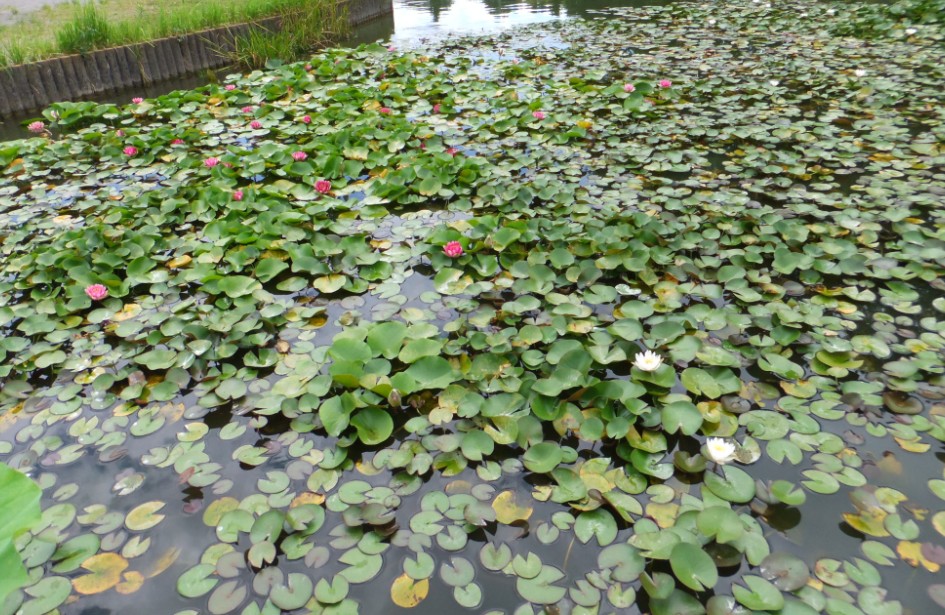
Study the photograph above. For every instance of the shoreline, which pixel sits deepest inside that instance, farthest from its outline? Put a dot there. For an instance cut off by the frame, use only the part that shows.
(31, 87)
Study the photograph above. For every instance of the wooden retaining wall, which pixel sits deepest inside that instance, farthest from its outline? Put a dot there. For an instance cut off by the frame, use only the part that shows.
(27, 88)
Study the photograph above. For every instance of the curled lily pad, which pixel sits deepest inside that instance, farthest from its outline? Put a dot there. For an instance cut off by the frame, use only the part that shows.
(758, 594)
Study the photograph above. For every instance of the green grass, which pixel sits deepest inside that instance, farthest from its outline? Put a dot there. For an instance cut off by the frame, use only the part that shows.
(89, 30)
(95, 24)
(300, 32)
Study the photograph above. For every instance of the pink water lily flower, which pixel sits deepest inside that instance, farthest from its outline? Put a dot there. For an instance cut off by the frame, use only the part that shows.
(538, 115)
(237, 195)
(323, 186)
(247, 109)
(211, 162)
(96, 292)
(137, 100)
(385, 110)
(131, 150)
(255, 124)
(453, 249)
(629, 87)
(451, 151)
(119, 133)
(177, 142)
(36, 127)
(306, 119)
(299, 156)
(230, 87)
(436, 108)
(665, 83)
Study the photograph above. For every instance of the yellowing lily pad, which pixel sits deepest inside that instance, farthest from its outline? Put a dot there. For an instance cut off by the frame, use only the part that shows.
(105, 573)
(408, 593)
(145, 516)
(512, 506)
(911, 553)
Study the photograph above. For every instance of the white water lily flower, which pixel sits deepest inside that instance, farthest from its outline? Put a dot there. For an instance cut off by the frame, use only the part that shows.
(774, 82)
(859, 72)
(647, 361)
(911, 31)
(720, 450)
(831, 11)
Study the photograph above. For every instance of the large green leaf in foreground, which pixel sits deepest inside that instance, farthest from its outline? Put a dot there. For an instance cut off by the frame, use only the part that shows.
(19, 508)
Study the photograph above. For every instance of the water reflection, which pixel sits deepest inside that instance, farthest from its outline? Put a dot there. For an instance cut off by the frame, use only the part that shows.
(415, 19)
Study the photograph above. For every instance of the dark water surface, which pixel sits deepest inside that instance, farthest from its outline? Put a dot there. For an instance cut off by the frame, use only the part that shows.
(97, 471)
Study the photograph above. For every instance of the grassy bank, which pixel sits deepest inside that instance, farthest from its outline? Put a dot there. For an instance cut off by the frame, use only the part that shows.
(83, 26)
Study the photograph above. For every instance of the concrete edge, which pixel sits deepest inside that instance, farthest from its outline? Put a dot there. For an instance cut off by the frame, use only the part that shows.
(32, 87)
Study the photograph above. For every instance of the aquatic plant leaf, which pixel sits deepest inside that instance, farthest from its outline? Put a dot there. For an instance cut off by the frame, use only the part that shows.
(759, 595)
(144, 516)
(785, 571)
(197, 581)
(294, 594)
(599, 524)
(734, 484)
(693, 567)
(373, 424)
(541, 589)
(104, 573)
(407, 593)
(511, 506)
(19, 508)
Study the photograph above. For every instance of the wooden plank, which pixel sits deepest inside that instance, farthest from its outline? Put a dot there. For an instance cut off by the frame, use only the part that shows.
(163, 67)
(172, 52)
(22, 98)
(105, 71)
(95, 79)
(61, 80)
(146, 57)
(203, 56)
(71, 81)
(189, 62)
(119, 65)
(132, 68)
(45, 86)
(7, 85)
(82, 86)
(32, 84)
(220, 43)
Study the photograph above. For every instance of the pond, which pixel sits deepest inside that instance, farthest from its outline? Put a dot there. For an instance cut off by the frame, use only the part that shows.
(411, 21)
(640, 314)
